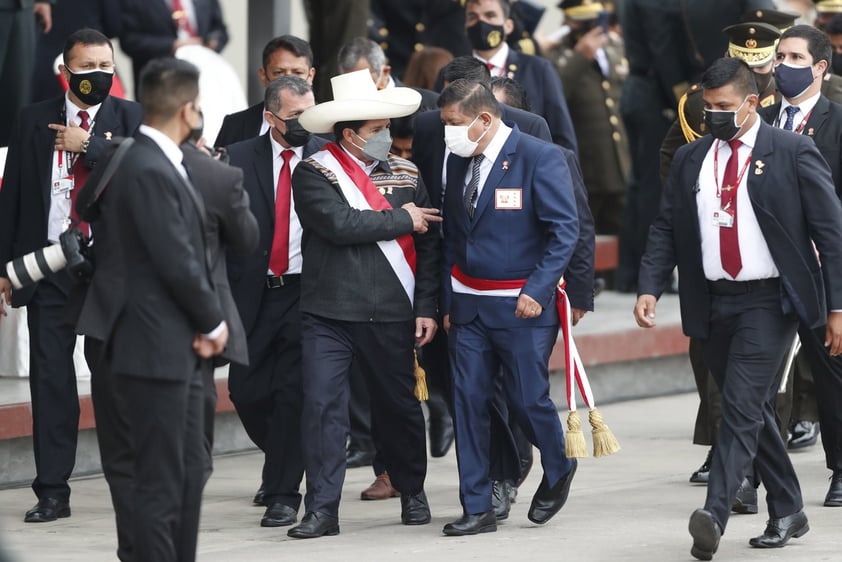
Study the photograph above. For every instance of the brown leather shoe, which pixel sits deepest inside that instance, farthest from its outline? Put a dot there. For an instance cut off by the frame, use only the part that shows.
(380, 489)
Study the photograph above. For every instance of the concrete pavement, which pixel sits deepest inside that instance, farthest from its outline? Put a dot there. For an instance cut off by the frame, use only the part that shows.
(632, 506)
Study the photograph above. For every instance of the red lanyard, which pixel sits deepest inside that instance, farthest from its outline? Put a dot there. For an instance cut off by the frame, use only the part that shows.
(716, 172)
(803, 124)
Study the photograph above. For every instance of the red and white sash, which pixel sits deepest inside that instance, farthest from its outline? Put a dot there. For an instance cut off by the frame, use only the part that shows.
(362, 194)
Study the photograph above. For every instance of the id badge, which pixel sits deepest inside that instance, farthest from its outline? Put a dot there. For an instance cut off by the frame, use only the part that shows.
(508, 199)
(723, 219)
(63, 185)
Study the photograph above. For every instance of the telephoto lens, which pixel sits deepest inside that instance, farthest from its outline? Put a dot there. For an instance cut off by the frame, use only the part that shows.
(70, 252)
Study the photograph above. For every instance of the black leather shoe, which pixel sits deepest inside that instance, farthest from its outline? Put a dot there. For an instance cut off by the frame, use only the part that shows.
(834, 494)
(472, 525)
(354, 458)
(804, 434)
(779, 531)
(441, 435)
(548, 501)
(259, 498)
(746, 500)
(415, 510)
(315, 525)
(500, 499)
(47, 509)
(278, 515)
(701, 475)
(706, 534)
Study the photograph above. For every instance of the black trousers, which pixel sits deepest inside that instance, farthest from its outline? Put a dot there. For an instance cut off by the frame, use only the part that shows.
(267, 393)
(748, 341)
(827, 377)
(52, 386)
(383, 351)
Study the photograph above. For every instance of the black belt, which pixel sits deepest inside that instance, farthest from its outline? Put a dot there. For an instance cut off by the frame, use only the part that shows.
(276, 281)
(726, 288)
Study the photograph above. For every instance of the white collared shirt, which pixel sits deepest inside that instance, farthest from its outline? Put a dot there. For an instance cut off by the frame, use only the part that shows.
(367, 168)
(171, 150)
(498, 60)
(491, 152)
(804, 110)
(756, 259)
(295, 229)
(58, 217)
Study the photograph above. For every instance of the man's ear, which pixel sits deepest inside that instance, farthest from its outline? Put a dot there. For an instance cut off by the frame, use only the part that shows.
(311, 76)
(385, 74)
(264, 80)
(64, 71)
(822, 66)
(508, 26)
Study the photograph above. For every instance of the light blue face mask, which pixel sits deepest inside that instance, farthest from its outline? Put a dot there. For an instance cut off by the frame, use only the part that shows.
(377, 146)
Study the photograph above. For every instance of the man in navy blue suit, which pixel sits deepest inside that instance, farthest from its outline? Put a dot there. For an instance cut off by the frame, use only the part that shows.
(510, 226)
(487, 25)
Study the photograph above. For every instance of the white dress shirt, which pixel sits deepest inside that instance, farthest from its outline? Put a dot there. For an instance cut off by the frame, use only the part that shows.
(754, 252)
(491, 152)
(190, 12)
(58, 217)
(498, 60)
(295, 229)
(800, 117)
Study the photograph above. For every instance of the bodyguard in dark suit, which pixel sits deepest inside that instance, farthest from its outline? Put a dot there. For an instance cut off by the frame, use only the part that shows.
(487, 24)
(803, 57)
(739, 216)
(285, 55)
(17, 53)
(153, 297)
(55, 144)
(266, 288)
(500, 307)
(157, 28)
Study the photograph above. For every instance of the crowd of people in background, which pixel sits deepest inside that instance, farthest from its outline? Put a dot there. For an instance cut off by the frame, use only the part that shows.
(406, 195)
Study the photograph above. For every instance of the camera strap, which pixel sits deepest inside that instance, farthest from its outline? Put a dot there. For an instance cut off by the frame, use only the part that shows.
(85, 203)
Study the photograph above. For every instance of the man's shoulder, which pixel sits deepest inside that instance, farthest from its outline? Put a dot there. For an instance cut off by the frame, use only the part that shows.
(242, 150)
(124, 105)
(402, 166)
(244, 113)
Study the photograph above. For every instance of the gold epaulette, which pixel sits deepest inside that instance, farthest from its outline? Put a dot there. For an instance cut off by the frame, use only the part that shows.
(689, 134)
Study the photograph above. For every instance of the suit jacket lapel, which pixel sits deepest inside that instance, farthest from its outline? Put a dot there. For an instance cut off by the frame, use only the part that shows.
(44, 142)
(756, 176)
(512, 65)
(498, 171)
(817, 118)
(264, 169)
(106, 119)
(457, 168)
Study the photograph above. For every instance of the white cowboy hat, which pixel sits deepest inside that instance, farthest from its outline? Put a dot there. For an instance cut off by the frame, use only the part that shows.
(356, 98)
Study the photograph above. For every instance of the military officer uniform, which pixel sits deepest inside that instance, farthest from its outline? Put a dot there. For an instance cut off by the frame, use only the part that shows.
(592, 91)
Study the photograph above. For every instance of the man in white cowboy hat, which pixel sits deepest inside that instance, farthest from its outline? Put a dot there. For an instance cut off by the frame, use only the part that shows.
(369, 285)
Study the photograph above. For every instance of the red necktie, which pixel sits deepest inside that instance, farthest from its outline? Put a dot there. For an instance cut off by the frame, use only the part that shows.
(179, 16)
(491, 68)
(279, 258)
(729, 244)
(80, 175)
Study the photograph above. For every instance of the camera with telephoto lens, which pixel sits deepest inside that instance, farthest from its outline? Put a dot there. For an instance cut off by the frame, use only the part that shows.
(70, 253)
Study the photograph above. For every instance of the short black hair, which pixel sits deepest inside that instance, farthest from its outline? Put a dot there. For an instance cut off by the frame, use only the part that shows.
(295, 45)
(471, 98)
(730, 70)
(342, 125)
(818, 43)
(504, 5)
(166, 84)
(272, 95)
(469, 68)
(514, 92)
(403, 127)
(84, 36)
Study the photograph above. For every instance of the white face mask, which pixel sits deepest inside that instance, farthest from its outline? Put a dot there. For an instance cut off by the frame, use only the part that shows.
(457, 141)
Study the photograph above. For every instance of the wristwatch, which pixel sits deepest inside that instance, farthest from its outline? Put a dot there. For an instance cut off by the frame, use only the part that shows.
(85, 144)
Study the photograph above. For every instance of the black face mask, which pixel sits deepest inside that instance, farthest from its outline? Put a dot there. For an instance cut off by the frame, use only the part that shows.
(91, 87)
(836, 64)
(723, 124)
(296, 135)
(483, 36)
(763, 82)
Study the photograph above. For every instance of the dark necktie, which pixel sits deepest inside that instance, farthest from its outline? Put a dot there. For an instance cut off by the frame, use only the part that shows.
(472, 188)
(791, 110)
(729, 244)
(279, 257)
(80, 175)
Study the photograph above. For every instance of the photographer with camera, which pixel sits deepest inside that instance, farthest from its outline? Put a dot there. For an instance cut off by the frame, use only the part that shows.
(53, 146)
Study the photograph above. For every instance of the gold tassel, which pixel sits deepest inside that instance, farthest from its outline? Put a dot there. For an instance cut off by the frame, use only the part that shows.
(604, 442)
(575, 439)
(420, 391)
